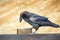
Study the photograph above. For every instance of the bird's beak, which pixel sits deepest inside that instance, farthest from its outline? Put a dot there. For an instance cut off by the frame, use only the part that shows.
(20, 19)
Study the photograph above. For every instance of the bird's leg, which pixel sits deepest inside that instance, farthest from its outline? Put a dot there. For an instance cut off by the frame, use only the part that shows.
(36, 30)
(33, 32)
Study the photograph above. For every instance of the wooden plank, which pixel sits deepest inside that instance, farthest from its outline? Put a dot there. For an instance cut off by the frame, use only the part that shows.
(31, 37)
(24, 31)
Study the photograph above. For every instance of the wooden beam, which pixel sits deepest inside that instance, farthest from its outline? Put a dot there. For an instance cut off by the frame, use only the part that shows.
(31, 37)
(24, 31)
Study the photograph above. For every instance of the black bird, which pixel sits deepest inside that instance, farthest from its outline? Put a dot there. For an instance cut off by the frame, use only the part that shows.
(36, 21)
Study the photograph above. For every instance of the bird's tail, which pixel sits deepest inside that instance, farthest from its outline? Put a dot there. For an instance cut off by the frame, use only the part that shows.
(54, 25)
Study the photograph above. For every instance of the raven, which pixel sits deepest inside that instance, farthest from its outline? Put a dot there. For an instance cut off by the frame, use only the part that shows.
(35, 20)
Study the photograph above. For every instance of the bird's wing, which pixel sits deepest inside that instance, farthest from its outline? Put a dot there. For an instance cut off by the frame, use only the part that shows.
(41, 18)
(35, 16)
(38, 19)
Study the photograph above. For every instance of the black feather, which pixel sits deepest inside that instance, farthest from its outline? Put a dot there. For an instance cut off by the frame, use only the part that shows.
(36, 21)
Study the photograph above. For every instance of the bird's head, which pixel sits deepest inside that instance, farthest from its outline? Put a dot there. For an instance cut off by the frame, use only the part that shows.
(23, 15)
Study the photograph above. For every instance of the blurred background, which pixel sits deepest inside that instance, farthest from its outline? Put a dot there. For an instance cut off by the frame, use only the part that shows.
(10, 11)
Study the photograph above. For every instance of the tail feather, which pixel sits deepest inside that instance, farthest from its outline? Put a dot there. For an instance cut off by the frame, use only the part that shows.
(54, 25)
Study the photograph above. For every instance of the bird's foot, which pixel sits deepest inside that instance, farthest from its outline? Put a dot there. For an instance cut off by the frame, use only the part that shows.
(34, 32)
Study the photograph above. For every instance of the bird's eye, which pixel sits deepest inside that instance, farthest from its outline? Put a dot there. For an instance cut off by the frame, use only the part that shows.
(24, 15)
